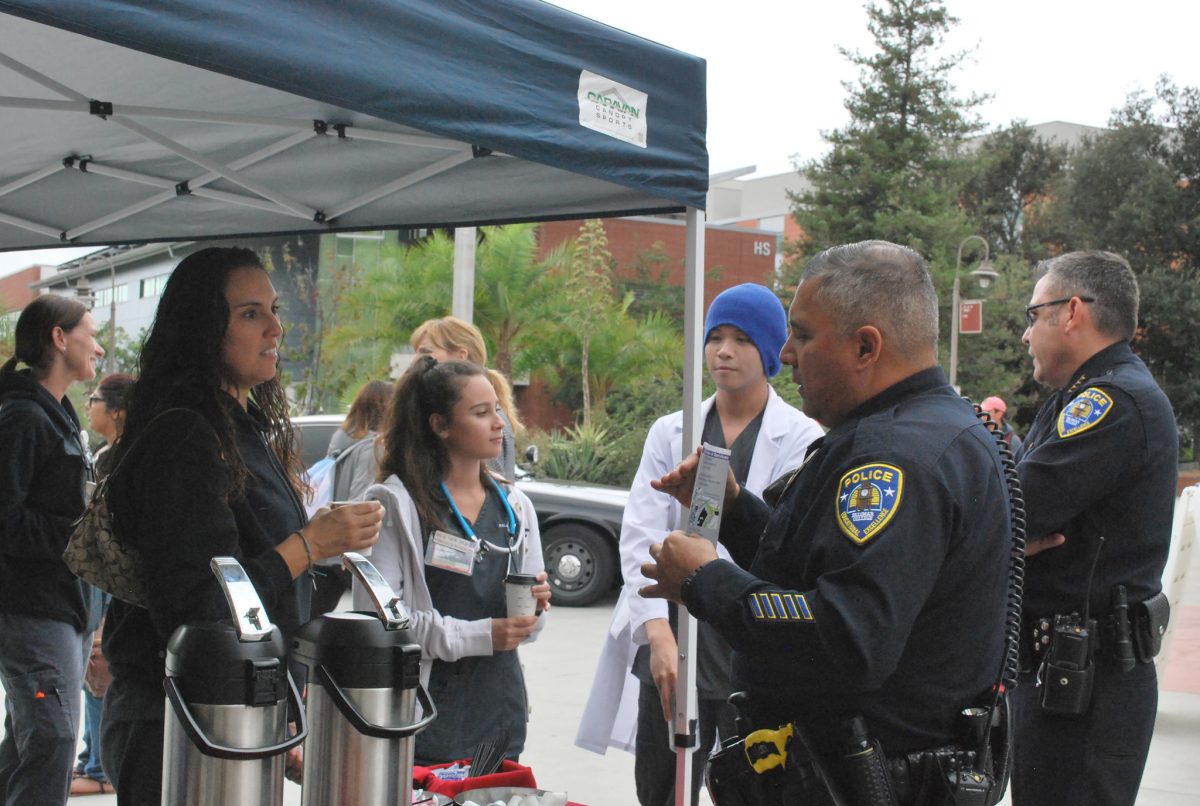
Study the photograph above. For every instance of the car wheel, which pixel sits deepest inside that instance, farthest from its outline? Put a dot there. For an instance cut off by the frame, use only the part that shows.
(580, 563)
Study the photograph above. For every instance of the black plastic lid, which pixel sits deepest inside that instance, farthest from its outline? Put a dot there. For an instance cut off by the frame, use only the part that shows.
(358, 651)
(214, 668)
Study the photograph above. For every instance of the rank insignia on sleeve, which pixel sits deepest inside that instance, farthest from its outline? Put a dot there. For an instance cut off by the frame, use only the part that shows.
(1084, 411)
(867, 498)
(779, 607)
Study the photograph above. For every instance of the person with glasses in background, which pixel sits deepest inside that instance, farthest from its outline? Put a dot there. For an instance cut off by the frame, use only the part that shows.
(1098, 469)
(105, 407)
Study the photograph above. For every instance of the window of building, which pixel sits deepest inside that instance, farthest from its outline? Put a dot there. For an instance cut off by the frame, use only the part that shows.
(153, 286)
(104, 296)
(350, 242)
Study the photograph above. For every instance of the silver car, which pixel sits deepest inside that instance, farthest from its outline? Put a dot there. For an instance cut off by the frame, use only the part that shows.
(580, 522)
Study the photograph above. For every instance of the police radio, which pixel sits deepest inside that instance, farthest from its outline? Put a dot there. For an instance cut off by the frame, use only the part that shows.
(1068, 671)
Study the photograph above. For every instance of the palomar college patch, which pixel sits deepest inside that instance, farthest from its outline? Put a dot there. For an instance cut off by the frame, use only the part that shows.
(1087, 409)
(868, 497)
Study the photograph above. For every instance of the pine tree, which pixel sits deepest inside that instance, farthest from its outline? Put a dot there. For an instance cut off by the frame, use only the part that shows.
(891, 173)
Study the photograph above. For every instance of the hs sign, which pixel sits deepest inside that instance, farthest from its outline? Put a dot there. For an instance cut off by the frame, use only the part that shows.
(762, 248)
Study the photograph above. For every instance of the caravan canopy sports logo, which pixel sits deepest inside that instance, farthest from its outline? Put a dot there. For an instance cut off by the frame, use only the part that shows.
(611, 108)
(617, 106)
(867, 498)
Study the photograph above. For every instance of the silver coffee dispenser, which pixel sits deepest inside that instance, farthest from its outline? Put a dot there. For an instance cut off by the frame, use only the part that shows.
(228, 691)
(363, 689)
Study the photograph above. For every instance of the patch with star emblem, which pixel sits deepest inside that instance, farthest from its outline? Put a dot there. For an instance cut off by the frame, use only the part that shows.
(867, 498)
(1086, 410)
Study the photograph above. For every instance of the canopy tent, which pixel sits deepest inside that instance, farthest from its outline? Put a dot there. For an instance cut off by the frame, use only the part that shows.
(129, 121)
(132, 120)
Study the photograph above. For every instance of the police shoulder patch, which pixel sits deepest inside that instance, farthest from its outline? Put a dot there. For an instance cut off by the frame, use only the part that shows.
(867, 498)
(1083, 412)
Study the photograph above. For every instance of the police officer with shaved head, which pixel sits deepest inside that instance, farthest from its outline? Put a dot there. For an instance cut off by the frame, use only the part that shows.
(1099, 470)
(866, 608)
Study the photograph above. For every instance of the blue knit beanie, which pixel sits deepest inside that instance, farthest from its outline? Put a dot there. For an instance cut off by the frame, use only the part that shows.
(756, 311)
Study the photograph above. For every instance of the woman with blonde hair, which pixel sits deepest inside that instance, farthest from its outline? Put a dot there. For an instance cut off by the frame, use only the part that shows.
(452, 339)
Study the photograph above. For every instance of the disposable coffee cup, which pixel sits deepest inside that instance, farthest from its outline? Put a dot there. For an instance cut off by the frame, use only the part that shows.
(518, 595)
(366, 552)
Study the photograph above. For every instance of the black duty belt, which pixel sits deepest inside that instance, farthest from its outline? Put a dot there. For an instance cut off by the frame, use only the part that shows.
(1145, 623)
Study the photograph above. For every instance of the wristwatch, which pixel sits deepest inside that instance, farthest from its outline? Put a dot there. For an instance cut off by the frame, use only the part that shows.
(685, 587)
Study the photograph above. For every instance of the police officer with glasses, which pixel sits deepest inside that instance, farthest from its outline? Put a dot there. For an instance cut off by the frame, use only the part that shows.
(866, 608)
(1099, 470)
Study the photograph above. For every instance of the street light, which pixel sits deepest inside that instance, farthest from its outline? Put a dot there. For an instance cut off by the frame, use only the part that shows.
(984, 274)
(83, 292)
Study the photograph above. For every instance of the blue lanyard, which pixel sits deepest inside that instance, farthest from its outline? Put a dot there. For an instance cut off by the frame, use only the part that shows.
(466, 527)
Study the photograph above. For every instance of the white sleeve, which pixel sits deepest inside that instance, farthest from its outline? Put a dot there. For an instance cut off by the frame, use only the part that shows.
(399, 559)
(793, 446)
(649, 516)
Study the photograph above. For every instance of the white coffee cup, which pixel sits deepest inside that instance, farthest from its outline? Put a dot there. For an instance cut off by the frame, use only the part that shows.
(518, 595)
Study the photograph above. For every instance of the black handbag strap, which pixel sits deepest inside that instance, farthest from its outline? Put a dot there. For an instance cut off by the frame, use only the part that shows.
(121, 462)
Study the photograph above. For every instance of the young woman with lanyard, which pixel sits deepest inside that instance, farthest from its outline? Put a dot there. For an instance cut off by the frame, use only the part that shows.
(452, 532)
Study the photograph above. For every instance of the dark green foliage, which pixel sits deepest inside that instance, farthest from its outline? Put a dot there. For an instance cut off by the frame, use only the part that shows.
(1011, 170)
(1135, 190)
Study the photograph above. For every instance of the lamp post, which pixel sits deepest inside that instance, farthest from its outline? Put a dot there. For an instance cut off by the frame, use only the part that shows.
(985, 274)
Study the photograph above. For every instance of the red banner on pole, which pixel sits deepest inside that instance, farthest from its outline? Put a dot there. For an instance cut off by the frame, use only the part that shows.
(970, 316)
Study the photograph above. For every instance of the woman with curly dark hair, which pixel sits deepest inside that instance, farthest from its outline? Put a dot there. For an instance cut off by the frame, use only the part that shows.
(206, 467)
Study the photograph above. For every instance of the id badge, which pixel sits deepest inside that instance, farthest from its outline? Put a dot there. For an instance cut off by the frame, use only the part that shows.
(451, 553)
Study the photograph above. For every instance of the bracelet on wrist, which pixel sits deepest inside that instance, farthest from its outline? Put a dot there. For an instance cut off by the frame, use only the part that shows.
(307, 550)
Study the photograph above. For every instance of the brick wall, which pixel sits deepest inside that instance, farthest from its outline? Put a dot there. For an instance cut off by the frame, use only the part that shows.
(741, 255)
(15, 292)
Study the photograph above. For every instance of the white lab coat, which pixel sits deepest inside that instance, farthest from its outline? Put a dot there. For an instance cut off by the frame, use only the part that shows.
(610, 716)
(400, 558)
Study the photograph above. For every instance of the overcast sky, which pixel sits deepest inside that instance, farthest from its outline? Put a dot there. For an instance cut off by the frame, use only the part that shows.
(774, 71)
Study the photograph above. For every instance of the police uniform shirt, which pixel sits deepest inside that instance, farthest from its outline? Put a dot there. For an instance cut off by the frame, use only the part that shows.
(879, 585)
(1100, 459)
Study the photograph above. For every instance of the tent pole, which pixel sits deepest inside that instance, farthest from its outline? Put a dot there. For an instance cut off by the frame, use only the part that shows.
(693, 350)
(463, 298)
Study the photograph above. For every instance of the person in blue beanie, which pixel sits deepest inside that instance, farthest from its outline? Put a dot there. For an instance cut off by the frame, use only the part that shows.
(743, 333)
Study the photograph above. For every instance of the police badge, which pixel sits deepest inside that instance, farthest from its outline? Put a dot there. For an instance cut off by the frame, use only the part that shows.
(1087, 409)
(867, 498)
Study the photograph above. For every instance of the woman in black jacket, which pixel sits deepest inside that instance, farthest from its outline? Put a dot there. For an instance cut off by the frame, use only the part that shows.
(43, 607)
(206, 468)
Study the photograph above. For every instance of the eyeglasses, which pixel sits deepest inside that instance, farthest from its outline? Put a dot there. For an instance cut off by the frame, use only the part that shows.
(94, 399)
(1031, 317)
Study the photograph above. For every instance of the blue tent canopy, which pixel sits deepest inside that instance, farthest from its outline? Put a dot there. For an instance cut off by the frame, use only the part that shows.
(133, 120)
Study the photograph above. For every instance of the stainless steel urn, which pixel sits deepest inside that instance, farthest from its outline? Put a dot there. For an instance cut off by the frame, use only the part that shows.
(227, 705)
(363, 691)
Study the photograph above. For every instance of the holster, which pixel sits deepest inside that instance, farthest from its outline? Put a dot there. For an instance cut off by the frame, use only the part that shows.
(768, 768)
(1150, 619)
